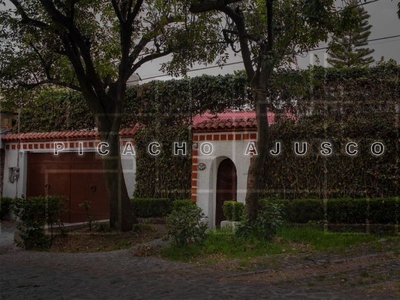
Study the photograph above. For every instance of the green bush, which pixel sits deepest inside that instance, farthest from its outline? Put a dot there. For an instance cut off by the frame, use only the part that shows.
(304, 211)
(384, 211)
(347, 211)
(33, 214)
(298, 210)
(151, 207)
(178, 204)
(269, 219)
(5, 207)
(185, 225)
(233, 210)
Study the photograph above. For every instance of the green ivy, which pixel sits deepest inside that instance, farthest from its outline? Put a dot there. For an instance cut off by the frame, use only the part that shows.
(329, 104)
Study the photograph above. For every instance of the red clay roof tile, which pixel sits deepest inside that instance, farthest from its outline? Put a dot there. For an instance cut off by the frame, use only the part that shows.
(230, 120)
(60, 135)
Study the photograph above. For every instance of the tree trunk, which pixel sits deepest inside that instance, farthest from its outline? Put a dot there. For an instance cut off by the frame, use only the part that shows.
(255, 173)
(121, 211)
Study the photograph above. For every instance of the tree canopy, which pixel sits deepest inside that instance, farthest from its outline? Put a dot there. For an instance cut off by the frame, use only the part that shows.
(94, 47)
(269, 35)
(346, 49)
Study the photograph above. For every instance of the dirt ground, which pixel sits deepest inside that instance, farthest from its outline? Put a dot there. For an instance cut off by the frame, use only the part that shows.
(85, 240)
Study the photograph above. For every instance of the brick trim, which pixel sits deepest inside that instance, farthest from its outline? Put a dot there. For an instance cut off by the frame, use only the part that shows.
(68, 145)
(226, 136)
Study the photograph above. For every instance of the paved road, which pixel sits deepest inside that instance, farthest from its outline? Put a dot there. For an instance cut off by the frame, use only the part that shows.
(6, 235)
(121, 275)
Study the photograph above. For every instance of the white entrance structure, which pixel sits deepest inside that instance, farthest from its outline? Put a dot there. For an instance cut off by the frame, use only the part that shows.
(223, 145)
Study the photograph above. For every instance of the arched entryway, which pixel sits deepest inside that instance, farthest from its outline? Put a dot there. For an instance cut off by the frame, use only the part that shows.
(226, 187)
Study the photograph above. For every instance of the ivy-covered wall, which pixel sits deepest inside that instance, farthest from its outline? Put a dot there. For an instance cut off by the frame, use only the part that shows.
(360, 105)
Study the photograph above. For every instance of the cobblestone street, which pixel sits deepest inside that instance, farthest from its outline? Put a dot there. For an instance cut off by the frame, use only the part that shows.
(121, 275)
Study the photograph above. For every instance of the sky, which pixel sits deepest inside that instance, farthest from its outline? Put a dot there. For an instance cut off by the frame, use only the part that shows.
(384, 23)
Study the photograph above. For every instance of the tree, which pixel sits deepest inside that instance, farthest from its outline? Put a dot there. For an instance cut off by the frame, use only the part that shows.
(94, 47)
(269, 34)
(346, 49)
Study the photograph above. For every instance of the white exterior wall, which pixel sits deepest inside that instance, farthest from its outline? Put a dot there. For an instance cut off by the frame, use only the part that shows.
(207, 178)
(18, 188)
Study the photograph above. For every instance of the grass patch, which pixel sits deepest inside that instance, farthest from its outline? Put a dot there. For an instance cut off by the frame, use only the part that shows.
(319, 240)
(226, 245)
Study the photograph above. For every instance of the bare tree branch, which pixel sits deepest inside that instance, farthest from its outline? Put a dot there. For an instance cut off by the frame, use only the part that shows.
(149, 58)
(243, 39)
(30, 86)
(269, 25)
(55, 14)
(138, 48)
(44, 63)
(222, 5)
(209, 5)
(26, 19)
(118, 12)
(135, 12)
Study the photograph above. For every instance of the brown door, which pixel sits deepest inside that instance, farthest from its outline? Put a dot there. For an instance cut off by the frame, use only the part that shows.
(77, 177)
(226, 187)
(87, 184)
(49, 174)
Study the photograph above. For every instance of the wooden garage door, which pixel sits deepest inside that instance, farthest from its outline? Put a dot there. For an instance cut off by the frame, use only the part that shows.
(78, 177)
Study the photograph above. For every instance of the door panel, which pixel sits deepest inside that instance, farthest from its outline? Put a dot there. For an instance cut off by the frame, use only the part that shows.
(77, 177)
(88, 184)
(226, 187)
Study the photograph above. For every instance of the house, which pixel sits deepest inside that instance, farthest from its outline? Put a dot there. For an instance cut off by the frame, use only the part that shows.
(223, 145)
(63, 163)
(69, 163)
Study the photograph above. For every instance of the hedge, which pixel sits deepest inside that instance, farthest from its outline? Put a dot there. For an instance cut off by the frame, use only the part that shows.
(384, 211)
(304, 211)
(347, 211)
(299, 211)
(179, 204)
(5, 207)
(151, 207)
(233, 210)
(340, 211)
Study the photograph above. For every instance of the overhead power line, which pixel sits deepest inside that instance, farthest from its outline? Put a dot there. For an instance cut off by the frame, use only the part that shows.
(241, 62)
(362, 4)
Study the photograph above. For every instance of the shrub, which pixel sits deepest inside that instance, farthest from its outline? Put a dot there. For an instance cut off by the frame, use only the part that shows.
(298, 210)
(86, 206)
(5, 207)
(178, 204)
(304, 211)
(33, 214)
(233, 210)
(269, 219)
(348, 211)
(384, 211)
(185, 225)
(151, 207)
